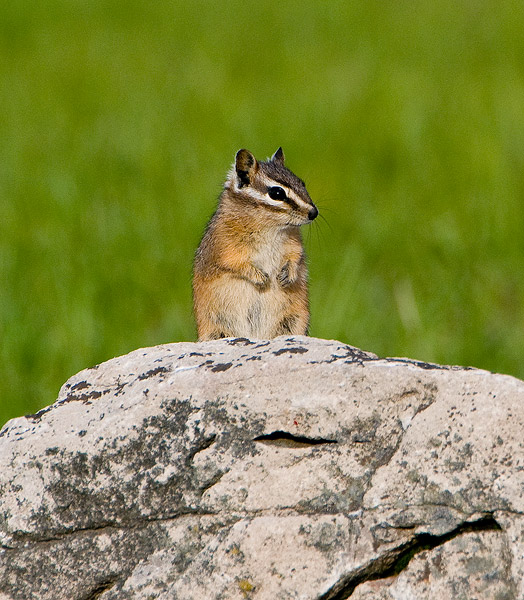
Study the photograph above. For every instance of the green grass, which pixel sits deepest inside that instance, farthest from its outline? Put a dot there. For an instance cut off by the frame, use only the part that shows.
(119, 120)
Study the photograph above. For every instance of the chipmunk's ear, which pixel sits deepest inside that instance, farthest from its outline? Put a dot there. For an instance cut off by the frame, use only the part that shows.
(246, 166)
(278, 157)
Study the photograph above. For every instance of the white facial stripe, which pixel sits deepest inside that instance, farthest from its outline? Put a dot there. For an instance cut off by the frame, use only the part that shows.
(298, 199)
(272, 202)
(265, 198)
(256, 195)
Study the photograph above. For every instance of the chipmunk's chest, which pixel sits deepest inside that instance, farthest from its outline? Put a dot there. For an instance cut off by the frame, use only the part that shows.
(268, 254)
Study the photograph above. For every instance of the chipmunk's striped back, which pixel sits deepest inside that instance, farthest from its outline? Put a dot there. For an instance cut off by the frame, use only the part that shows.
(250, 276)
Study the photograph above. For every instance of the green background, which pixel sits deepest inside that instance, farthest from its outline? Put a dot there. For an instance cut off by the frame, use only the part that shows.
(118, 123)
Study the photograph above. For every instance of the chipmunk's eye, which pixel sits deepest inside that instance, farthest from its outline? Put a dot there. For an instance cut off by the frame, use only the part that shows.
(276, 193)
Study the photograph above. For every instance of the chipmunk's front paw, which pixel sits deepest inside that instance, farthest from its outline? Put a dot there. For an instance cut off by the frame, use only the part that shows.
(288, 274)
(260, 278)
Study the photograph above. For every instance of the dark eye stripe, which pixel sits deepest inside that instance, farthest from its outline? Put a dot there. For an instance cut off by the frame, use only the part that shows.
(293, 204)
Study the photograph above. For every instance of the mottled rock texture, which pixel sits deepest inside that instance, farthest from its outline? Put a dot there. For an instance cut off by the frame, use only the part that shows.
(297, 468)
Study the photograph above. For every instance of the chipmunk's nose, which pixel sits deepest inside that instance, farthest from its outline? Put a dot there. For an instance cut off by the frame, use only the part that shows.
(313, 213)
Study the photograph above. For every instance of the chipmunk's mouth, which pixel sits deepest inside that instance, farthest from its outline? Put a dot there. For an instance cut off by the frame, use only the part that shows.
(298, 219)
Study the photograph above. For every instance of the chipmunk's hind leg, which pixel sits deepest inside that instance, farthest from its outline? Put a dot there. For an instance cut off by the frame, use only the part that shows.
(216, 335)
(292, 325)
(216, 327)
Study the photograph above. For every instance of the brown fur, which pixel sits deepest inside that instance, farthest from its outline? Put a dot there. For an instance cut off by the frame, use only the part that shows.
(250, 275)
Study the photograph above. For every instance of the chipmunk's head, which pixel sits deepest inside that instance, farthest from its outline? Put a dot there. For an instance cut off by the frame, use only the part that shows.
(272, 187)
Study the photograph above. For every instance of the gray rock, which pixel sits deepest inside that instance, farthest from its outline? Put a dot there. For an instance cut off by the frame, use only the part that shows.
(293, 468)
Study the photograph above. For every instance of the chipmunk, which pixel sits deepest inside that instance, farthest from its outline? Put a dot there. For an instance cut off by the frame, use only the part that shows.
(250, 274)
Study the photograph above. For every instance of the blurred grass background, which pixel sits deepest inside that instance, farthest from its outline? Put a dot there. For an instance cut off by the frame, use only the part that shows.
(119, 120)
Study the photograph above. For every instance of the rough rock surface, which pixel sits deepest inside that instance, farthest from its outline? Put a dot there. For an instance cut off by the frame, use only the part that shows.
(297, 468)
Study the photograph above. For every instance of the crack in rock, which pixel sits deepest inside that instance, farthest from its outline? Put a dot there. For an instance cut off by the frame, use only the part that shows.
(24, 540)
(100, 588)
(395, 561)
(289, 440)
